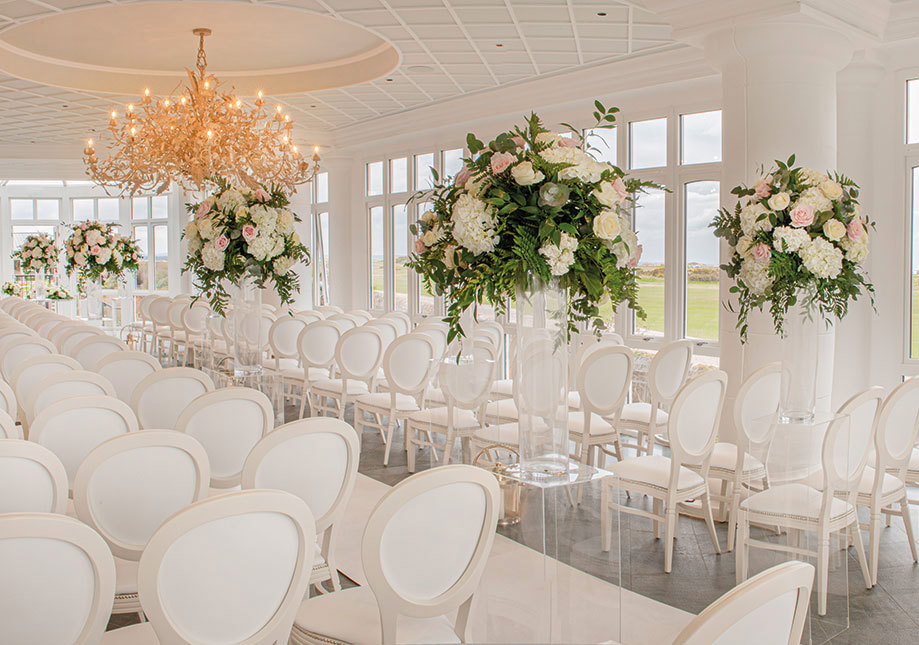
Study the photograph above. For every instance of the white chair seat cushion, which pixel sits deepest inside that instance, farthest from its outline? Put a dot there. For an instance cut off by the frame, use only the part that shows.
(352, 616)
(140, 634)
(383, 401)
(286, 364)
(502, 411)
(296, 374)
(654, 471)
(798, 501)
(177, 334)
(598, 425)
(889, 485)
(724, 459)
(438, 417)
(503, 388)
(336, 385)
(507, 434)
(640, 412)
(435, 395)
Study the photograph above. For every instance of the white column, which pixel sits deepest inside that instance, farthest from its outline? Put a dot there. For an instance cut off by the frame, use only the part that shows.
(779, 98)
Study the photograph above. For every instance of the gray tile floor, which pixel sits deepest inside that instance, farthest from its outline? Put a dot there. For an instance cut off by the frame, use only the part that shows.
(888, 613)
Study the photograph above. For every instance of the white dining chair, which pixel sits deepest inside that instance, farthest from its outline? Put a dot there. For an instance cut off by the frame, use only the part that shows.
(329, 310)
(682, 477)
(32, 479)
(647, 420)
(797, 507)
(194, 325)
(89, 351)
(62, 385)
(8, 400)
(58, 580)
(227, 569)
(345, 322)
(72, 427)
(228, 422)
(364, 315)
(127, 486)
(768, 609)
(126, 370)
(64, 327)
(316, 460)
(358, 355)
(32, 370)
(284, 358)
(68, 340)
(316, 346)
(160, 397)
(399, 318)
(8, 427)
(424, 550)
(408, 365)
(159, 317)
(14, 351)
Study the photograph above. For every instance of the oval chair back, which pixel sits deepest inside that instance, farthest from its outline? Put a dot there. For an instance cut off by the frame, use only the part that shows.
(160, 397)
(126, 370)
(32, 479)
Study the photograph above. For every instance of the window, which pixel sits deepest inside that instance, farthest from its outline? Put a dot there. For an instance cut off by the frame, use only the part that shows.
(602, 144)
(700, 204)
(648, 143)
(377, 260)
(914, 265)
(150, 221)
(400, 245)
(912, 111)
(375, 178)
(911, 287)
(424, 164)
(31, 217)
(319, 211)
(648, 222)
(322, 187)
(452, 163)
(398, 175)
(700, 140)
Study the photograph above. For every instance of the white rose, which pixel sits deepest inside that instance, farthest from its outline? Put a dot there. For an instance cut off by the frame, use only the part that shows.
(834, 229)
(606, 225)
(80, 259)
(831, 189)
(431, 237)
(779, 201)
(525, 175)
(93, 237)
(205, 227)
(429, 215)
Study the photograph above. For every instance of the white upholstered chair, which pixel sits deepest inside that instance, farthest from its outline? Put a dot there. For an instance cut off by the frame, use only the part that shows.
(227, 569)
(424, 551)
(58, 580)
(161, 396)
(93, 349)
(62, 385)
(8, 427)
(316, 346)
(32, 479)
(14, 351)
(126, 370)
(358, 355)
(316, 460)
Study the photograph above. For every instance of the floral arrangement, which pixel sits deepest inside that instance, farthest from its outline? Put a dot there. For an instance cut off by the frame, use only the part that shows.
(797, 236)
(531, 204)
(37, 254)
(56, 293)
(95, 249)
(239, 232)
(12, 289)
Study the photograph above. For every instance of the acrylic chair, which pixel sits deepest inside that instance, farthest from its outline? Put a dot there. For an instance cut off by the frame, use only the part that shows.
(358, 355)
(228, 422)
(126, 370)
(32, 479)
(316, 345)
(128, 486)
(682, 477)
(408, 365)
(449, 516)
(316, 460)
(58, 580)
(199, 581)
(160, 397)
(768, 609)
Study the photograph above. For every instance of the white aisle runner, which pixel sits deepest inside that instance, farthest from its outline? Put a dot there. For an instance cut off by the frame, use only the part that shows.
(511, 605)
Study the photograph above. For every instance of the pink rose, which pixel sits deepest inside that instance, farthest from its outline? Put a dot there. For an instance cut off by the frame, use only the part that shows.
(855, 229)
(762, 188)
(802, 215)
(567, 142)
(249, 232)
(94, 250)
(761, 253)
(519, 141)
(462, 177)
(419, 246)
(261, 195)
(501, 161)
(633, 261)
(203, 208)
(619, 187)
(221, 242)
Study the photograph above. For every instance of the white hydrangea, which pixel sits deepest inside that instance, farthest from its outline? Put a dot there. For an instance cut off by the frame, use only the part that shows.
(260, 247)
(474, 224)
(105, 254)
(625, 248)
(560, 256)
(230, 199)
(855, 251)
(282, 264)
(584, 168)
(192, 238)
(811, 177)
(787, 239)
(755, 275)
(744, 244)
(265, 218)
(286, 222)
(750, 221)
(277, 246)
(205, 227)
(815, 198)
(822, 258)
(212, 258)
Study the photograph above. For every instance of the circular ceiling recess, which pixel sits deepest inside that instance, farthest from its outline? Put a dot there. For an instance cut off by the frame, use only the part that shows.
(125, 48)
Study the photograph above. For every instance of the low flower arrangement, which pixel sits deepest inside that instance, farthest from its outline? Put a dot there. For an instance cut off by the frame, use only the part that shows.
(37, 254)
(14, 289)
(95, 250)
(240, 231)
(56, 293)
(531, 203)
(797, 236)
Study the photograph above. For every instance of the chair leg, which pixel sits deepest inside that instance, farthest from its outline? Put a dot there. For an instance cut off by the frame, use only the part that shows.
(389, 432)
(449, 440)
(657, 509)
(707, 509)
(908, 525)
(732, 517)
(722, 502)
(741, 549)
(856, 538)
(823, 570)
(874, 541)
(409, 436)
(670, 529)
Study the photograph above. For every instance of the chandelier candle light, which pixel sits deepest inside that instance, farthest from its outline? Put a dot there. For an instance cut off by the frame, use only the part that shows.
(202, 135)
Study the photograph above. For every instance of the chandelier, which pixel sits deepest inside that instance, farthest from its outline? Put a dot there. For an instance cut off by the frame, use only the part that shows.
(202, 136)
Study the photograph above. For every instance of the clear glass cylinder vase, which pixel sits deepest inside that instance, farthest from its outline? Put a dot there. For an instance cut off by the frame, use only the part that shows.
(542, 377)
(40, 290)
(248, 348)
(92, 301)
(800, 367)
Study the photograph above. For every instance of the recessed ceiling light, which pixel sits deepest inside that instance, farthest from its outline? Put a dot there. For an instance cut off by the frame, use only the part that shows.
(499, 45)
(601, 13)
(65, 105)
(389, 80)
(313, 106)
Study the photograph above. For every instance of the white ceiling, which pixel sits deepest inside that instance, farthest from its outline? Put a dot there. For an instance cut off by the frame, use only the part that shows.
(449, 48)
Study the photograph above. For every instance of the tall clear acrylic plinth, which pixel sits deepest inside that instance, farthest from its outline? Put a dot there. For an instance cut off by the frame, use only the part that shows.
(797, 489)
(549, 579)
